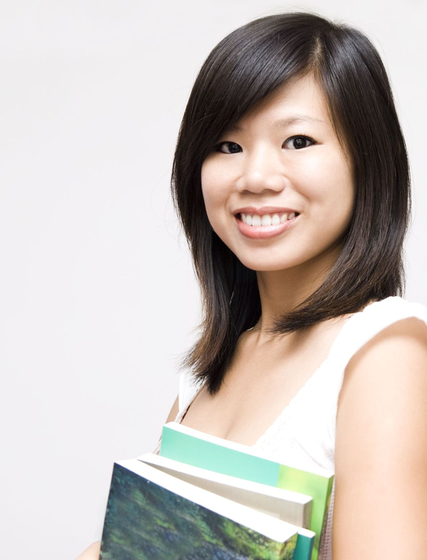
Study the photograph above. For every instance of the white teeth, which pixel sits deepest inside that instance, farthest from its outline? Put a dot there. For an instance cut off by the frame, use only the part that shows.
(266, 219)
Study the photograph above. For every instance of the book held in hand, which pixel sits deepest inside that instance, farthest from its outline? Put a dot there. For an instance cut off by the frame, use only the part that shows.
(154, 514)
(209, 452)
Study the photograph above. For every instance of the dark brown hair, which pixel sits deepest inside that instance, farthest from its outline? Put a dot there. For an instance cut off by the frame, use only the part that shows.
(243, 69)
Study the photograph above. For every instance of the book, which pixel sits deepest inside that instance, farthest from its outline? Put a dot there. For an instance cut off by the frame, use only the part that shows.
(196, 448)
(289, 506)
(154, 515)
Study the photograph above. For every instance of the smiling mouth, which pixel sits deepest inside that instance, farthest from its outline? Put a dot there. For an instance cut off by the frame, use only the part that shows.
(266, 220)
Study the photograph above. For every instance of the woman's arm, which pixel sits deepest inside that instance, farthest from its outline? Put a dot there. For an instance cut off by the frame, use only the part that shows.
(381, 449)
(91, 553)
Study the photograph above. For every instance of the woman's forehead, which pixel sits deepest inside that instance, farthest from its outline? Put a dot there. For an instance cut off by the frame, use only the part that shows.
(299, 101)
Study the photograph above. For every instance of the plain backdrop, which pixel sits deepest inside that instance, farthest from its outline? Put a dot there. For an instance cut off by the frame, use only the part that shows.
(97, 295)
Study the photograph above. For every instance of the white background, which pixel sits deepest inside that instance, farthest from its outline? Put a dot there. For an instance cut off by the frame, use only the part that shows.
(97, 294)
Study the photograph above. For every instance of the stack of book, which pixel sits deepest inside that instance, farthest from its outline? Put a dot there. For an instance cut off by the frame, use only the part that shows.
(205, 498)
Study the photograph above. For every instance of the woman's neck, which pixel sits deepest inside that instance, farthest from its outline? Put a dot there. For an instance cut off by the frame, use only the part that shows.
(282, 291)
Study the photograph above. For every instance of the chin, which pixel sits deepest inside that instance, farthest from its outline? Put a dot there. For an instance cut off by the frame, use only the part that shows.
(263, 266)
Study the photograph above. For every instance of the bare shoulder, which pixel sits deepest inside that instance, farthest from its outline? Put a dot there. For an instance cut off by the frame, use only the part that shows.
(381, 448)
(394, 359)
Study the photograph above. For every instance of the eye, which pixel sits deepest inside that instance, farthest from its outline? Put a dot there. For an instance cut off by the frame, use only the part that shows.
(228, 148)
(298, 142)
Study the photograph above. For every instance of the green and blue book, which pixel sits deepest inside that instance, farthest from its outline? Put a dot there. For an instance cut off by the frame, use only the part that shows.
(160, 509)
(198, 449)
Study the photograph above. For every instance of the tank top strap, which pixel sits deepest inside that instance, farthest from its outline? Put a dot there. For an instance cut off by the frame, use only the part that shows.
(365, 325)
(188, 389)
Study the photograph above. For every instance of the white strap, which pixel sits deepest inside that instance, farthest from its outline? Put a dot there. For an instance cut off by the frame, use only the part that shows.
(364, 326)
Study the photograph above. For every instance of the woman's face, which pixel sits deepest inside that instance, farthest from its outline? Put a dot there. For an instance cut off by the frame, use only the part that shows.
(278, 188)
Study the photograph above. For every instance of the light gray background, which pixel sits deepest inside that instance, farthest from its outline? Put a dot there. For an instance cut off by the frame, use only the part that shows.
(97, 295)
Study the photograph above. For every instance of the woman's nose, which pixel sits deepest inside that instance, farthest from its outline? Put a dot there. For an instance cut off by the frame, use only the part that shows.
(262, 170)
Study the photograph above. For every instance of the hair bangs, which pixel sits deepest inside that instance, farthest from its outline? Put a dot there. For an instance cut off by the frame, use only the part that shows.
(242, 71)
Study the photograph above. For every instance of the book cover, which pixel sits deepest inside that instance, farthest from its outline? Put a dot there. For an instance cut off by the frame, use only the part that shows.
(151, 515)
(209, 452)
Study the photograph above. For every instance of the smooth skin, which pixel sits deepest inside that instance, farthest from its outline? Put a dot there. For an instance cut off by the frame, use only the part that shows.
(381, 449)
(91, 553)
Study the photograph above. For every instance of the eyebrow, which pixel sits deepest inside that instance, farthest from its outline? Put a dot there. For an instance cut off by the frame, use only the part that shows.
(296, 119)
(283, 123)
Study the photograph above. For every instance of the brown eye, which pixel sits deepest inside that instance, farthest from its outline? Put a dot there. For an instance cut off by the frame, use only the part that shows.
(298, 142)
(228, 148)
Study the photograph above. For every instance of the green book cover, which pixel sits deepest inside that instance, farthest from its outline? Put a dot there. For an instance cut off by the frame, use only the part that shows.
(152, 516)
(201, 450)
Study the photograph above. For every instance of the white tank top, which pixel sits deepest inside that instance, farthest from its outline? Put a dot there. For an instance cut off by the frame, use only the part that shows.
(304, 433)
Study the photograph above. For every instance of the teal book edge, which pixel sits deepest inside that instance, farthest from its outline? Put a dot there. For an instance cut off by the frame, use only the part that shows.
(211, 453)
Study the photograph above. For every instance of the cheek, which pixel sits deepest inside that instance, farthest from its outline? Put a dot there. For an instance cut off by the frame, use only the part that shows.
(210, 192)
(214, 186)
(336, 183)
(321, 176)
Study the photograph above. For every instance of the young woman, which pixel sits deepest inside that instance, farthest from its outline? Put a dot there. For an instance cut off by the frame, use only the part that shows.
(292, 184)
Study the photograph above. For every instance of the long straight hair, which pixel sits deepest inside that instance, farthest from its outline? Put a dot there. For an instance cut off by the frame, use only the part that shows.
(243, 69)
